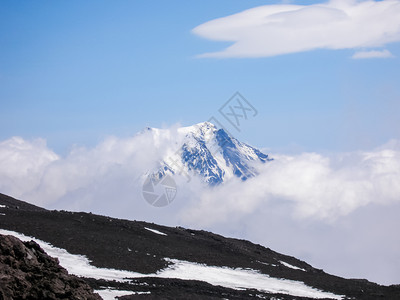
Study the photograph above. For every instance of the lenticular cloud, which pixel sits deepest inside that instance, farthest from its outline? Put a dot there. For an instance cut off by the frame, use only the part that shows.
(271, 30)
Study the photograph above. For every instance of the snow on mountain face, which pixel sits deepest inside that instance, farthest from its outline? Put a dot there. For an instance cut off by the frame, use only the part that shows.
(211, 153)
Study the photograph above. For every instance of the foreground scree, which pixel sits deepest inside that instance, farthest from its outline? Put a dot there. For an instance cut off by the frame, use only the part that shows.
(27, 272)
(135, 260)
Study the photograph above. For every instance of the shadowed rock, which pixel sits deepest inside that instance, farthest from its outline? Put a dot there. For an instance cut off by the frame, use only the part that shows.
(27, 272)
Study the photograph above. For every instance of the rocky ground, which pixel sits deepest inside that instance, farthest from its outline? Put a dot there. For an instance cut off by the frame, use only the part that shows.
(27, 272)
(128, 245)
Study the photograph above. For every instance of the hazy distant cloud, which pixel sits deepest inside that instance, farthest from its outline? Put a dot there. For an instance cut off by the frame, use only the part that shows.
(271, 30)
(311, 185)
(29, 170)
(372, 54)
(335, 211)
(23, 164)
(338, 212)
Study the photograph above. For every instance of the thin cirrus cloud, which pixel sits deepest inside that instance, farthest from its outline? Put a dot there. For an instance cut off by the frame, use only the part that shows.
(272, 30)
(372, 54)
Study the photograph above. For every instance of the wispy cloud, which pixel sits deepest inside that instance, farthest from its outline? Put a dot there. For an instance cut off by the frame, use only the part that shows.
(373, 54)
(281, 29)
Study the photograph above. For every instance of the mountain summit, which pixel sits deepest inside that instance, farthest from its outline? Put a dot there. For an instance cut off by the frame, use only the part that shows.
(211, 153)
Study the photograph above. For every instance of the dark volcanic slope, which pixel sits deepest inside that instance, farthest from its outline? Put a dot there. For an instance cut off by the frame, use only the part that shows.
(17, 204)
(122, 244)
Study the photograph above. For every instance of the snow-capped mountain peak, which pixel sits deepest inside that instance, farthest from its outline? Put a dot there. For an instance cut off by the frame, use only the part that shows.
(204, 150)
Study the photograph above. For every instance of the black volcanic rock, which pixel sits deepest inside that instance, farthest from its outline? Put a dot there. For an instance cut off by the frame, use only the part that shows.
(27, 272)
(128, 245)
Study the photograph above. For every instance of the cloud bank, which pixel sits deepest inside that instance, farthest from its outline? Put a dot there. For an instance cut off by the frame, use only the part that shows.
(272, 30)
(315, 186)
(30, 170)
(338, 212)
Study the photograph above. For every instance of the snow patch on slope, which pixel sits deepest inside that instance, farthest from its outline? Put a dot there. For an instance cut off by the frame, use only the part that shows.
(241, 279)
(291, 266)
(155, 231)
(111, 294)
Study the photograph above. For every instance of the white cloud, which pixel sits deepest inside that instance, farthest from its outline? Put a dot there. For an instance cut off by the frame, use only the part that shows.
(271, 30)
(30, 170)
(372, 54)
(313, 186)
(334, 211)
(23, 163)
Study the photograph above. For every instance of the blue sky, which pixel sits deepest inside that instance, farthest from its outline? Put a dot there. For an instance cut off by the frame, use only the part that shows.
(74, 72)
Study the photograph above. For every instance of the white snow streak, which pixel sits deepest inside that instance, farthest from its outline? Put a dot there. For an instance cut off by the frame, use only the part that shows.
(155, 231)
(291, 266)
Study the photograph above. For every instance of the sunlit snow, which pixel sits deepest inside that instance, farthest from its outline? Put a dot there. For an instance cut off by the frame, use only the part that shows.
(241, 279)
